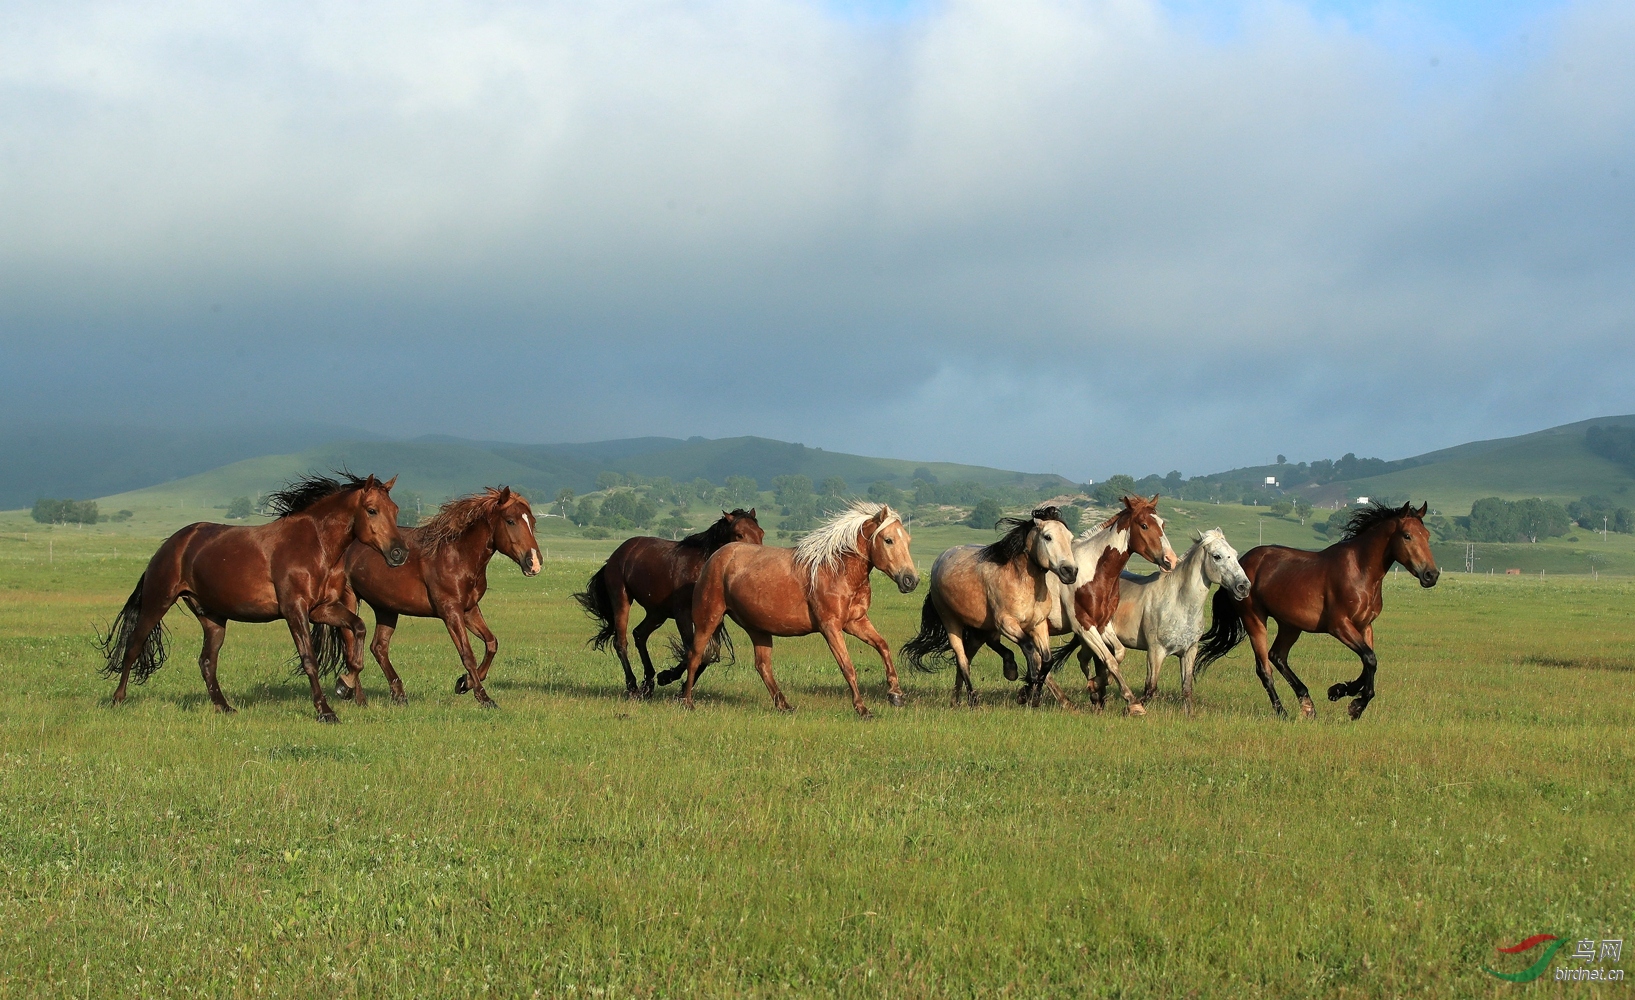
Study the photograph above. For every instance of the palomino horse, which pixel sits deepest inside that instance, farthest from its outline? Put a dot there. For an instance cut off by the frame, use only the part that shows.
(821, 585)
(445, 577)
(659, 575)
(980, 591)
(1163, 613)
(293, 568)
(1337, 590)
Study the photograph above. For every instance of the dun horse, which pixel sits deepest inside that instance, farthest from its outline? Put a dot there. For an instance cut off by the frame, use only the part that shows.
(445, 577)
(293, 568)
(979, 592)
(659, 575)
(1337, 590)
(822, 585)
(1163, 613)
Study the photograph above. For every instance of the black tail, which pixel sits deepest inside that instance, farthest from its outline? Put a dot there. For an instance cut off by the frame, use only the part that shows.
(1225, 631)
(932, 642)
(721, 640)
(1060, 656)
(598, 608)
(328, 651)
(122, 631)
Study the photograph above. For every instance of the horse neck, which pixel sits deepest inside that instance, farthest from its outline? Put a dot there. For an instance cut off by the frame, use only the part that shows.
(1373, 551)
(1190, 575)
(331, 519)
(477, 542)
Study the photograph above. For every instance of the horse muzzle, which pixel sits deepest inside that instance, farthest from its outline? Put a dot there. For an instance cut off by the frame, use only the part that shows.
(396, 556)
(1428, 578)
(1240, 590)
(1067, 574)
(907, 581)
(531, 563)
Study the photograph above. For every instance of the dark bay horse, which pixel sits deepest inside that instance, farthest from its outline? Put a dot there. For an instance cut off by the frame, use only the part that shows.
(822, 585)
(1336, 590)
(659, 575)
(445, 577)
(293, 568)
(979, 592)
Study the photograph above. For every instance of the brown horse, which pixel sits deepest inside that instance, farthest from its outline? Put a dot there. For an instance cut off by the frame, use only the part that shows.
(293, 568)
(445, 577)
(822, 585)
(1336, 590)
(979, 592)
(659, 575)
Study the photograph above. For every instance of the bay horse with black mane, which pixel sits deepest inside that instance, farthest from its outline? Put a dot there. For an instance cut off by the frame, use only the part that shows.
(1337, 590)
(821, 585)
(445, 577)
(659, 575)
(292, 569)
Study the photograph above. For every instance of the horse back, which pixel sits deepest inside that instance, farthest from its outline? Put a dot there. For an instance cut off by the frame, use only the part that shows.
(1298, 586)
(230, 569)
(762, 586)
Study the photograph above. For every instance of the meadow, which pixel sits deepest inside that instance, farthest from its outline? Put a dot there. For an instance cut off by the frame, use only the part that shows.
(576, 844)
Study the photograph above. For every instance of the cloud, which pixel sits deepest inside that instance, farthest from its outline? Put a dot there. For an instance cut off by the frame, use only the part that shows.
(1076, 236)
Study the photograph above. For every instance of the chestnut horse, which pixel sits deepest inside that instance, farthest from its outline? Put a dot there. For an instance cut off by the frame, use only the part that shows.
(1337, 590)
(821, 585)
(659, 575)
(293, 568)
(981, 591)
(445, 577)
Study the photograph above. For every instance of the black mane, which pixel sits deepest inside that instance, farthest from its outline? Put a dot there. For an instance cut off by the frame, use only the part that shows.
(1015, 541)
(717, 534)
(302, 493)
(1375, 513)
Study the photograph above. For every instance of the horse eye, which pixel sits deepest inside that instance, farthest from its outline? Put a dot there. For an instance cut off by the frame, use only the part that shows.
(891, 541)
(373, 512)
(510, 522)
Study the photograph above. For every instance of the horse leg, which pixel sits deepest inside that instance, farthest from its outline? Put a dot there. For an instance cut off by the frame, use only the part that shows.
(1189, 660)
(381, 649)
(836, 638)
(350, 679)
(295, 616)
(215, 632)
(1256, 627)
(994, 644)
(454, 620)
(1156, 655)
(962, 664)
(1094, 686)
(1361, 689)
(864, 629)
(648, 626)
(713, 607)
(1287, 636)
(344, 618)
(1132, 705)
(763, 666)
(620, 598)
(491, 645)
(155, 602)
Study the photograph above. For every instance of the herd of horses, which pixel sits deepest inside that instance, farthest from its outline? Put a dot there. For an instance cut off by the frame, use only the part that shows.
(335, 542)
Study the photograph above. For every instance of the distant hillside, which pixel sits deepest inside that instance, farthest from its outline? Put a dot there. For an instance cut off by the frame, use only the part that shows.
(442, 467)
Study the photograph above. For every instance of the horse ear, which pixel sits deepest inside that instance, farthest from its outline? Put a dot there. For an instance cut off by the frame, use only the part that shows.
(1154, 500)
(752, 512)
(505, 493)
(880, 515)
(1423, 508)
(727, 515)
(388, 484)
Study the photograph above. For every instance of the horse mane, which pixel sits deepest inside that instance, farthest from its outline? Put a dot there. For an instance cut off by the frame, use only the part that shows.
(456, 517)
(1015, 541)
(717, 534)
(826, 544)
(1130, 505)
(1375, 513)
(299, 494)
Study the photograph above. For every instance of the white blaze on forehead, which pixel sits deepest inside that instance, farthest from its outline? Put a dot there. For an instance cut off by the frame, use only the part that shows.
(529, 521)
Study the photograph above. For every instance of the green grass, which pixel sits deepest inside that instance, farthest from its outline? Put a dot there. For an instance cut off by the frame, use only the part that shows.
(574, 844)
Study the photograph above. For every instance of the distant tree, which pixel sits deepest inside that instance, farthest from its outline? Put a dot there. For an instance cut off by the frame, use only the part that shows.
(834, 486)
(1623, 521)
(676, 524)
(48, 511)
(1114, 489)
(238, 508)
(1537, 519)
(881, 491)
(1302, 510)
(623, 510)
(1173, 484)
(1492, 520)
(564, 501)
(702, 488)
(585, 511)
(122, 515)
(791, 489)
(592, 531)
(925, 475)
(608, 479)
(1071, 516)
(410, 508)
(742, 491)
(985, 514)
(1282, 461)
(663, 490)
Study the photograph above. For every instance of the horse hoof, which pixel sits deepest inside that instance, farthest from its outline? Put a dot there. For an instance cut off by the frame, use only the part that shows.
(489, 703)
(1010, 671)
(341, 690)
(225, 709)
(1136, 709)
(864, 715)
(399, 698)
(328, 717)
(1307, 709)
(896, 698)
(1336, 692)
(789, 709)
(461, 686)
(1355, 709)
(687, 703)
(668, 677)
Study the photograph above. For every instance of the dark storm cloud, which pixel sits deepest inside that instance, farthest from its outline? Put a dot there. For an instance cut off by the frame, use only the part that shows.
(1068, 236)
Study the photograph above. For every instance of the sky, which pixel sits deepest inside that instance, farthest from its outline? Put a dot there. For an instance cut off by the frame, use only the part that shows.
(1052, 235)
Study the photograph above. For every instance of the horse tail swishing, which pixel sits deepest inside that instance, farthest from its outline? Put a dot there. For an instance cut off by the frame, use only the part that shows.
(931, 642)
(1226, 630)
(598, 607)
(123, 631)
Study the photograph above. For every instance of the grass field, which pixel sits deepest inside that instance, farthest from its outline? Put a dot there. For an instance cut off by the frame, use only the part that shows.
(574, 844)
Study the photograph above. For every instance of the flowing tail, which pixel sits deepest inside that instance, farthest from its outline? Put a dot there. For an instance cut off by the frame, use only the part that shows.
(598, 607)
(328, 651)
(122, 631)
(721, 640)
(1059, 657)
(1225, 631)
(932, 642)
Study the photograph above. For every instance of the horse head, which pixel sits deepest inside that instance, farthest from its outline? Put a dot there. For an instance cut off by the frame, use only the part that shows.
(512, 521)
(743, 526)
(1221, 564)
(888, 548)
(1410, 544)
(374, 521)
(1146, 528)
(1050, 545)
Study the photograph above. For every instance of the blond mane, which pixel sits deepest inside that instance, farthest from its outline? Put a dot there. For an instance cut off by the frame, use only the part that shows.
(828, 543)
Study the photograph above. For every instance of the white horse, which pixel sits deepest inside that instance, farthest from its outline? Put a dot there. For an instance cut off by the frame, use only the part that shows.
(1163, 613)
